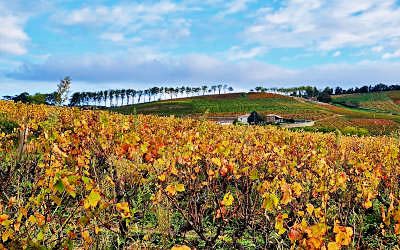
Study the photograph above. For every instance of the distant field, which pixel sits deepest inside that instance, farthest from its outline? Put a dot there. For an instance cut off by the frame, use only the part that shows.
(382, 101)
(327, 117)
(233, 104)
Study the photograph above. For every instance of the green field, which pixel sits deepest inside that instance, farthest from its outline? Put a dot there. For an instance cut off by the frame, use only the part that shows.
(225, 103)
(379, 102)
(328, 117)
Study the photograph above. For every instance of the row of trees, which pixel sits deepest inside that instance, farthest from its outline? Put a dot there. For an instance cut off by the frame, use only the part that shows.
(323, 95)
(367, 89)
(121, 97)
(308, 92)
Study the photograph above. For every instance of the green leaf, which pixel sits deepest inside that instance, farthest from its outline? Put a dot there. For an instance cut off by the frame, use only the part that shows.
(254, 175)
(59, 186)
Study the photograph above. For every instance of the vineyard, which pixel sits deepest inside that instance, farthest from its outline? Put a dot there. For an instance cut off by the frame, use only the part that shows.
(75, 178)
(386, 101)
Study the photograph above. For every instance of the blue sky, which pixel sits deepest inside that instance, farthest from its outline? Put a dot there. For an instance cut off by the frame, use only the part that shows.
(244, 43)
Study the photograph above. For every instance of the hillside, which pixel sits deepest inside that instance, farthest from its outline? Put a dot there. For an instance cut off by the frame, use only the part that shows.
(387, 101)
(328, 117)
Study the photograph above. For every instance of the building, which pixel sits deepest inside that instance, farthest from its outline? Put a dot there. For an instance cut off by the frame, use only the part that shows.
(243, 118)
(274, 119)
(256, 118)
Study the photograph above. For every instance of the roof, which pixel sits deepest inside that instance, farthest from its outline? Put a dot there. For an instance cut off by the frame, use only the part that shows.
(270, 115)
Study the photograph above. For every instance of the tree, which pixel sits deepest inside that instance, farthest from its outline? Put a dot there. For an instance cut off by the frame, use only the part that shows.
(117, 96)
(75, 99)
(258, 88)
(204, 89)
(105, 97)
(111, 95)
(338, 91)
(214, 88)
(325, 95)
(219, 88)
(123, 95)
(23, 97)
(62, 91)
(140, 93)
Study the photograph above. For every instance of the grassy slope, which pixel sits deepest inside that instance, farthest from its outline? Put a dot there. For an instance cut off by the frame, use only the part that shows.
(226, 105)
(379, 102)
(230, 105)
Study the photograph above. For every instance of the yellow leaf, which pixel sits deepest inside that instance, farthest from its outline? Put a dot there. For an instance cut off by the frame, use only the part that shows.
(174, 171)
(6, 235)
(270, 201)
(92, 200)
(287, 196)
(368, 204)
(333, 246)
(343, 234)
(86, 236)
(4, 217)
(300, 213)
(32, 219)
(310, 208)
(171, 189)
(123, 207)
(297, 188)
(316, 230)
(162, 177)
(40, 219)
(216, 161)
(40, 236)
(180, 187)
(180, 248)
(228, 199)
(254, 174)
(68, 187)
(279, 223)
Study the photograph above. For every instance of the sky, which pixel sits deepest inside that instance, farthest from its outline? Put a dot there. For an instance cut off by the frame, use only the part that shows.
(104, 44)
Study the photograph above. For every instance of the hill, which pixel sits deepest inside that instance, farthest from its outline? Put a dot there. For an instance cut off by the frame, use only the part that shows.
(328, 117)
(386, 101)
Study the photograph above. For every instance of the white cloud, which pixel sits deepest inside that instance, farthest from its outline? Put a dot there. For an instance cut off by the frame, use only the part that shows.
(119, 14)
(234, 7)
(236, 53)
(160, 20)
(113, 36)
(326, 25)
(337, 53)
(12, 35)
(395, 54)
(377, 49)
(200, 68)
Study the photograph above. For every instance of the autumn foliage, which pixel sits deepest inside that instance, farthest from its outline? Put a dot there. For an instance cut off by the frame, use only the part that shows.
(72, 178)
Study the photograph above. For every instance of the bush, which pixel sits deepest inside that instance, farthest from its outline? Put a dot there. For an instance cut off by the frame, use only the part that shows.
(355, 131)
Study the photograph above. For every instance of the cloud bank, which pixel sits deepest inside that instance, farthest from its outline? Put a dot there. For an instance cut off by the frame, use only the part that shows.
(198, 68)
